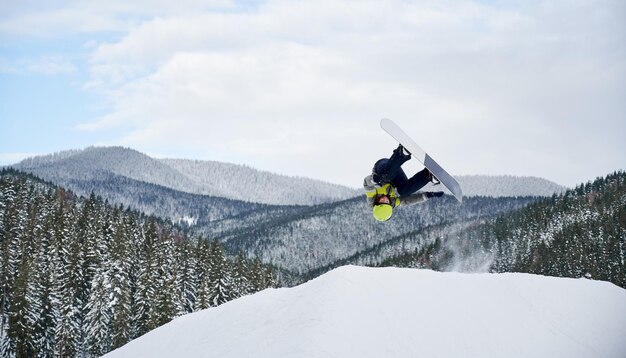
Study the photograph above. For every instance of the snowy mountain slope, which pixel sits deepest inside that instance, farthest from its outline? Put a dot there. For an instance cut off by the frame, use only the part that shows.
(245, 183)
(502, 185)
(365, 312)
(318, 236)
(178, 206)
(195, 177)
(507, 185)
(93, 162)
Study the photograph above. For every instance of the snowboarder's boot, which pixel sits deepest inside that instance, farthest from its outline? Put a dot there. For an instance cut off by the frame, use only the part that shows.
(434, 194)
(433, 179)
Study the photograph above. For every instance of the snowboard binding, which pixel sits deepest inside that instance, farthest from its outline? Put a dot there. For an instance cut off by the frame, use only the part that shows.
(433, 179)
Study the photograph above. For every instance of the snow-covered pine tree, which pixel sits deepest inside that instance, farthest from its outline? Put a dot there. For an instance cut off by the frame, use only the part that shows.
(241, 283)
(220, 281)
(119, 270)
(270, 277)
(164, 283)
(69, 278)
(256, 276)
(10, 226)
(18, 327)
(185, 281)
(42, 295)
(98, 317)
(98, 308)
(202, 273)
(135, 241)
(146, 267)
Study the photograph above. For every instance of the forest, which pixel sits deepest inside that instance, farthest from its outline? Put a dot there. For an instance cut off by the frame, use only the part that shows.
(80, 277)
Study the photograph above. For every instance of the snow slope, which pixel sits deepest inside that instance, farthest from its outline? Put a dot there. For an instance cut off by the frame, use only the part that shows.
(366, 312)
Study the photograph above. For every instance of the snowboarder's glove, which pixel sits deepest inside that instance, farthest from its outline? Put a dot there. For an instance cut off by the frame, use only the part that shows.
(402, 153)
(434, 194)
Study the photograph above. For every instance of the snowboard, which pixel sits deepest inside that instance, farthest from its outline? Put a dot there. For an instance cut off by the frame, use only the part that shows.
(418, 153)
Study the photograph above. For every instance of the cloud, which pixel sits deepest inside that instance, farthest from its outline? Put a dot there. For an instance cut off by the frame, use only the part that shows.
(298, 87)
(45, 65)
(60, 18)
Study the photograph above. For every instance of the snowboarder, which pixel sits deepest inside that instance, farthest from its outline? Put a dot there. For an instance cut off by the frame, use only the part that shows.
(388, 185)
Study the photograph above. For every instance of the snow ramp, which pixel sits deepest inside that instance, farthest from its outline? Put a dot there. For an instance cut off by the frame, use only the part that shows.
(390, 312)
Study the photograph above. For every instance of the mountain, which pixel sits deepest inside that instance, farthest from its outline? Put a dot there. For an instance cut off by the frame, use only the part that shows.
(366, 312)
(214, 179)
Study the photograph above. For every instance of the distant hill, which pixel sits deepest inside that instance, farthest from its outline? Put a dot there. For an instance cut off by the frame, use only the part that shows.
(507, 185)
(215, 179)
(364, 312)
(241, 182)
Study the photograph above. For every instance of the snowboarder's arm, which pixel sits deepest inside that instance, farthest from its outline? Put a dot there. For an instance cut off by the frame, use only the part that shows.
(370, 189)
(413, 199)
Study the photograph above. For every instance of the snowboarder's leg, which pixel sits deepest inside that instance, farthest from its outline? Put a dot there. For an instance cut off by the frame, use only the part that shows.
(409, 186)
(385, 170)
(392, 166)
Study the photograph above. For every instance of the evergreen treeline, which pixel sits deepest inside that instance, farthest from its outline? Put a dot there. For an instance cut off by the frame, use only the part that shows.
(80, 277)
(581, 233)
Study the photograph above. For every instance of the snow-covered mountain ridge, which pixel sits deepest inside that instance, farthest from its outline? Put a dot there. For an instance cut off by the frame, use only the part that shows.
(195, 177)
(216, 179)
(366, 312)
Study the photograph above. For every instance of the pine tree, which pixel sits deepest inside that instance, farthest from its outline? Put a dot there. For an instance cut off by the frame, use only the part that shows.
(202, 274)
(10, 252)
(241, 284)
(164, 309)
(121, 328)
(68, 263)
(256, 276)
(219, 277)
(134, 275)
(98, 308)
(42, 295)
(145, 293)
(98, 317)
(19, 329)
(185, 281)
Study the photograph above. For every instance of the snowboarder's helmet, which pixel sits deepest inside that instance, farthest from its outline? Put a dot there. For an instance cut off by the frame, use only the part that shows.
(382, 212)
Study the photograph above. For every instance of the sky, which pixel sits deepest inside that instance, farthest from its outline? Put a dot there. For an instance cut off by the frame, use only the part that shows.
(528, 88)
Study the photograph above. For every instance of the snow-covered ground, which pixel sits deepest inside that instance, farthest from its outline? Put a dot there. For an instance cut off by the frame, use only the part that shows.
(366, 312)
